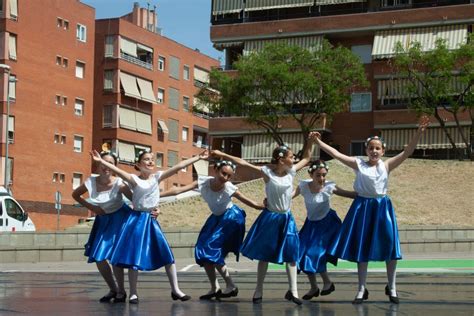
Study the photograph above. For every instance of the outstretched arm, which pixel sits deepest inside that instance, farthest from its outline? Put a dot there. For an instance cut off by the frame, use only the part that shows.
(247, 201)
(394, 162)
(237, 160)
(296, 192)
(347, 160)
(178, 190)
(122, 174)
(344, 193)
(307, 153)
(183, 164)
(77, 195)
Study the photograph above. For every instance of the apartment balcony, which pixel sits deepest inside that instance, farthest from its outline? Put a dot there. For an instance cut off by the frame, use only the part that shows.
(136, 61)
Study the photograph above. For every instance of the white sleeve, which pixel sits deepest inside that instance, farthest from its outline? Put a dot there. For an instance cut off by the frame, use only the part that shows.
(330, 186)
(359, 163)
(89, 185)
(266, 171)
(203, 181)
(230, 188)
(158, 175)
(292, 171)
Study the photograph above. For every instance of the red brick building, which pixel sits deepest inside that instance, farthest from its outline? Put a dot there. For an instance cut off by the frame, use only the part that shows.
(49, 47)
(144, 93)
(370, 28)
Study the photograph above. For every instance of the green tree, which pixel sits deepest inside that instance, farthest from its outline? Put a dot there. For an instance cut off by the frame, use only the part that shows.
(286, 82)
(440, 79)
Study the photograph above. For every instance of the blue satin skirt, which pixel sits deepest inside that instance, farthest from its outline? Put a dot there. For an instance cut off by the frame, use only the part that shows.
(104, 234)
(369, 232)
(316, 238)
(219, 236)
(141, 245)
(273, 237)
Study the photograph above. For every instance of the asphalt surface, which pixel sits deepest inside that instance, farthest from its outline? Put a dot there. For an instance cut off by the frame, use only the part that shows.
(435, 284)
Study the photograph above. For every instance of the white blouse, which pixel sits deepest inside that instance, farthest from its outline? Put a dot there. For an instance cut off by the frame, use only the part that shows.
(371, 181)
(146, 194)
(317, 204)
(218, 201)
(110, 200)
(279, 190)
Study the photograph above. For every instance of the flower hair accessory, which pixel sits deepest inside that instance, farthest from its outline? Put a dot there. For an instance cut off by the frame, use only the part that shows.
(371, 138)
(222, 163)
(141, 153)
(282, 150)
(317, 166)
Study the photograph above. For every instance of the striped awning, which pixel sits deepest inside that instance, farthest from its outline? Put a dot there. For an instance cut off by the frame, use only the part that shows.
(329, 2)
(259, 147)
(385, 41)
(226, 6)
(432, 138)
(254, 5)
(227, 45)
(398, 88)
(309, 42)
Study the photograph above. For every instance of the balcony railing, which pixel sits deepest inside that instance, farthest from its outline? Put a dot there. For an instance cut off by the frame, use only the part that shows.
(136, 61)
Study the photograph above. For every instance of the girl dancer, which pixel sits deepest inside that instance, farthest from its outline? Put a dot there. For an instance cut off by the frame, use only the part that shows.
(320, 228)
(274, 236)
(369, 231)
(224, 230)
(106, 201)
(141, 244)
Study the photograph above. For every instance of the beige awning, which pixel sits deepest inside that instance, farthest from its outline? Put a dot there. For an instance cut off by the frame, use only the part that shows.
(309, 42)
(163, 126)
(226, 6)
(432, 138)
(259, 147)
(146, 90)
(12, 47)
(127, 119)
(128, 47)
(201, 75)
(126, 152)
(385, 41)
(228, 44)
(202, 167)
(129, 84)
(145, 48)
(329, 2)
(254, 5)
(143, 122)
(13, 8)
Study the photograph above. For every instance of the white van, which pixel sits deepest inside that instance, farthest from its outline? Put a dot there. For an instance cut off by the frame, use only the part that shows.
(12, 216)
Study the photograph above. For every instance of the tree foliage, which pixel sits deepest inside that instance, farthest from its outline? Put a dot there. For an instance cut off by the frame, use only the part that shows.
(282, 82)
(440, 79)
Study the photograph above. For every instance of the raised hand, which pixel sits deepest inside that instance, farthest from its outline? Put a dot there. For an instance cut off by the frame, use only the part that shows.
(204, 155)
(216, 153)
(95, 155)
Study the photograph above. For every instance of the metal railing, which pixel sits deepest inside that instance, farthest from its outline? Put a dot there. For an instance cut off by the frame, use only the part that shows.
(136, 61)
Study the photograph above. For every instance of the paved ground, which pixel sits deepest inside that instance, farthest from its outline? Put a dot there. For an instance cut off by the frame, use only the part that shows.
(74, 288)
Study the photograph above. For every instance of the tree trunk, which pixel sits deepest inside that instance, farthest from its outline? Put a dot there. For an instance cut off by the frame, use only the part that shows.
(448, 135)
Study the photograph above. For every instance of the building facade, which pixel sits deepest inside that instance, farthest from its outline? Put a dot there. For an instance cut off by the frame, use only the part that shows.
(370, 28)
(144, 94)
(47, 73)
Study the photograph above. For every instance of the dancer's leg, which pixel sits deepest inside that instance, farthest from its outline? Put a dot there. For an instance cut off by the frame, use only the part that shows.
(292, 278)
(119, 276)
(211, 275)
(261, 272)
(392, 276)
(314, 286)
(106, 272)
(133, 280)
(326, 280)
(173, 279)
(224, 272)
(362, 275)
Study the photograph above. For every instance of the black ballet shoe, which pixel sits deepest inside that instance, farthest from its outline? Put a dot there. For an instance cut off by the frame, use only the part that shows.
(183, 298)
(331, 289)
(120, 298)
(108, 297)
(307, 297)
(360, 300)
(210, 296)
(232, 293)
(392, 299)
(133, 299)
(257, 300)
(289, 296)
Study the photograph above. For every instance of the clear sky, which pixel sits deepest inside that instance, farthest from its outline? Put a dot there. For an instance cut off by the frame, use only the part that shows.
(185, 21)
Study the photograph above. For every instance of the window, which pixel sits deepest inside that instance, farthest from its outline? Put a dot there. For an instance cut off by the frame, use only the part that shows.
(364, 52)
(361, 102)
(172, 158)
(12, 47)
(57, 99)
(78, 142)
(107, 116)
(159, 160)
(161, 63)
(160, 96)
(173, 99)
(174, 67)
(79, 107)
(185, 134)
(11, 129)
(65, 62)
(186, 104)
(186, 72)
(12, 88)
(64, 101)
(66, 25)
(109, 46)
(59, 60)
(63, 139)
(173, 130)
(55, 177)
(56, 138)
(395, 3)
(109, 80)
(59, 22)
(162, 130)
(13, 9)
(62, 178)
(76, 180)
(357, 148)
(80, 67)
(81, 31)
(13, 210)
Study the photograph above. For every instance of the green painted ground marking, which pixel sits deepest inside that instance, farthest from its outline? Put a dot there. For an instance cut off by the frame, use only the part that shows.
(404, 264)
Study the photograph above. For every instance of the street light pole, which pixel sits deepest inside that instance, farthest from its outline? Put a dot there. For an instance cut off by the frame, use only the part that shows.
(6, 69)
